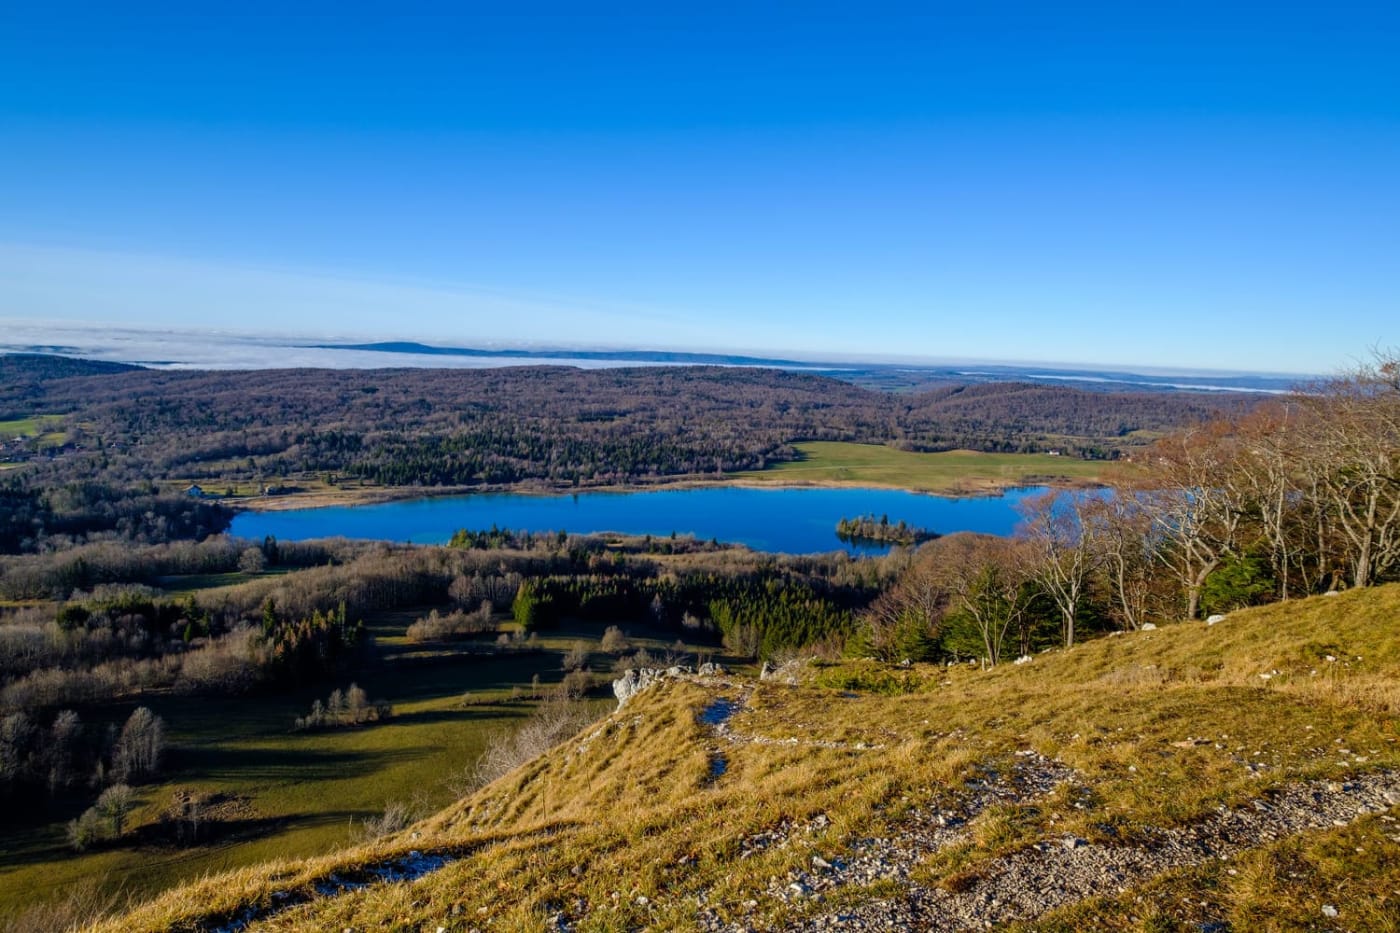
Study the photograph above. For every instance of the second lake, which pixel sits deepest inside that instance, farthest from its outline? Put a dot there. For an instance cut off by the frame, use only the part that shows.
(788, 520)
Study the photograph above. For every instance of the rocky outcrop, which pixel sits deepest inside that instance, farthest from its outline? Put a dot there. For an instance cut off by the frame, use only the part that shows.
(640, 678)
(785, 673)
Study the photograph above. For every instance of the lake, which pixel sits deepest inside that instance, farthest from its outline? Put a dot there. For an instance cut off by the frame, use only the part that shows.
(789, 520)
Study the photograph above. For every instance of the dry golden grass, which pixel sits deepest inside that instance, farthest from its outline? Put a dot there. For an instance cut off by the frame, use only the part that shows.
(1162, 726)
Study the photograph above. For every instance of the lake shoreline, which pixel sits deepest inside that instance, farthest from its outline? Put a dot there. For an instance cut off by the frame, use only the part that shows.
(762, 516)
(974, 488)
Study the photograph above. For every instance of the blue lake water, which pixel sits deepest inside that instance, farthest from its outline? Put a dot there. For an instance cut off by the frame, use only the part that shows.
(790, 520)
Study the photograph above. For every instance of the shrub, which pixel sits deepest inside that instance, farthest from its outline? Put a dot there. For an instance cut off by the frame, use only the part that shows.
(113, 806)
(575, 684)
(576, 658)
(252, 561)
(869, 679)
(614, 641)
(350, 708)
(394, 819)
(506, 751)
(86, 831)
(437, 627)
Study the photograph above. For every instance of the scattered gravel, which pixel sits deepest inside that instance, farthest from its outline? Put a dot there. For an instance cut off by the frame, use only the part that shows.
(1060, 871)
(1054, 872)
(921, 831)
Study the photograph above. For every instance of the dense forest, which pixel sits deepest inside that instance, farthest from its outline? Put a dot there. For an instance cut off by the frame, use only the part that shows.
(119, 429)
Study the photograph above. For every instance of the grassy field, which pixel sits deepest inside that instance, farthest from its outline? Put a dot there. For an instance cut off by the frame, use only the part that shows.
(43, 427)
(302, 492)
(954, 471)
(302, 790)
(627, 827)
(30, 427)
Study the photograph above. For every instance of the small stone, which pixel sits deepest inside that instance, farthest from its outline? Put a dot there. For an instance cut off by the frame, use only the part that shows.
(1149, 627)
(1328, 910)
(819, 862)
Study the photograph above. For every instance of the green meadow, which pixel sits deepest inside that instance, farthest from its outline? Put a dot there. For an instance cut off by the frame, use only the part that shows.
(301, 793)
(44, 427)
(953, 471)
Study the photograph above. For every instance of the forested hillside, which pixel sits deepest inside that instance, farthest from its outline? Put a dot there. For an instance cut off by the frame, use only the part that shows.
(564, 426)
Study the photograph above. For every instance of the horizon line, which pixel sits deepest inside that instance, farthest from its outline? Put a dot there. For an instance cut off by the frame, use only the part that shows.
(439, 345)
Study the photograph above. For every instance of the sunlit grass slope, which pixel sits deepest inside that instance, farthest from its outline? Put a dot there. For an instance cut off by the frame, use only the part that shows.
(953, 471)
(625, 825)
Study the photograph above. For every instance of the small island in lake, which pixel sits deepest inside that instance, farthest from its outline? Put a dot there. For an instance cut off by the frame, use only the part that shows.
(880, 531)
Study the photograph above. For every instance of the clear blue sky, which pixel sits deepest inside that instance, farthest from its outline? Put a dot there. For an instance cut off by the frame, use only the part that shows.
(1191, 184)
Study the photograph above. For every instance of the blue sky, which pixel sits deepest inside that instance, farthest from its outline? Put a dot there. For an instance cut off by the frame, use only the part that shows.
(1202, 185)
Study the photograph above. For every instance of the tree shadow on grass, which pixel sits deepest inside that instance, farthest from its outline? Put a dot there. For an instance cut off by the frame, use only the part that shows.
(157, 844)
(500, 716)
(216, 763)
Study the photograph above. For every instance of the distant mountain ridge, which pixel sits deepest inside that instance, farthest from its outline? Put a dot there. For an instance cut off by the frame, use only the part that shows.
(620, 356)
(225, 352)
(47, 363)
(871, 375)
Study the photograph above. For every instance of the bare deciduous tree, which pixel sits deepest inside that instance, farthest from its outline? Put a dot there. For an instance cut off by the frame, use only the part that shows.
(1354, 457)
(1061, 548)
(986, 580)
(1126, 551)
(910, 613)
(1194, 506)
(140, 746)
(252, 561)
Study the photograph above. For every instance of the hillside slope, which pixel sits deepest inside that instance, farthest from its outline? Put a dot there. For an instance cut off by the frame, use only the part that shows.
(1244, 775)
(564, 426)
